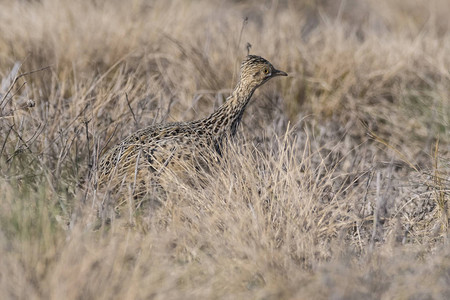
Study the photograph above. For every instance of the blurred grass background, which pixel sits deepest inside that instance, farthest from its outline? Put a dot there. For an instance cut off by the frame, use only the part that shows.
(337, 185)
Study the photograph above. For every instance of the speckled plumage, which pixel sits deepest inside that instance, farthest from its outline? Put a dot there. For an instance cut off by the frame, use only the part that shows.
(152, 150)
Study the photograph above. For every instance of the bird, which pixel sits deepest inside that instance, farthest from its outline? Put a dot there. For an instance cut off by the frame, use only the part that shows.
(151, 151)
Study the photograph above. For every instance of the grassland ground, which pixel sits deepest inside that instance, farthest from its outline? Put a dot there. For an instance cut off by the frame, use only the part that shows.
(336, 186)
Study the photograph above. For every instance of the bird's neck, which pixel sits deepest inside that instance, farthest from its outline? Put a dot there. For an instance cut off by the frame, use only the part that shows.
(225, 120)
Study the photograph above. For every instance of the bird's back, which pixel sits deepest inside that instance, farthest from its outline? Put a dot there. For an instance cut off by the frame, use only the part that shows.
(155, 149)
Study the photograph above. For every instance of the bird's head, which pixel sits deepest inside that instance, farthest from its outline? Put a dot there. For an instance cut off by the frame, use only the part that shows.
(256, 70)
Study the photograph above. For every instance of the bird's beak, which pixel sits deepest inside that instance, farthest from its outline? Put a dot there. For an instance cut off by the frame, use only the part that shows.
(278, 73)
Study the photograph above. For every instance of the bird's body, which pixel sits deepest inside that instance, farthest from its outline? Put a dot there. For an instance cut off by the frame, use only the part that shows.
(152, 150)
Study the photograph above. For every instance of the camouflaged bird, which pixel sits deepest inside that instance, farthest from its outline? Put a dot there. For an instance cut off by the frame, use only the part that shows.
(151, 151)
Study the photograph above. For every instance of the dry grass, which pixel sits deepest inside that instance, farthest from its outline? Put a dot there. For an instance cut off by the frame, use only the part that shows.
(336, 187)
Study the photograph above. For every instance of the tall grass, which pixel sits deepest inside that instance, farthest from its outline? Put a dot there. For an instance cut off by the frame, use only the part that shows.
(337, 185)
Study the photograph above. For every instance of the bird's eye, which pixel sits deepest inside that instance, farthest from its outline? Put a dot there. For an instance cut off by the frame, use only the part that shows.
(266, 71)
